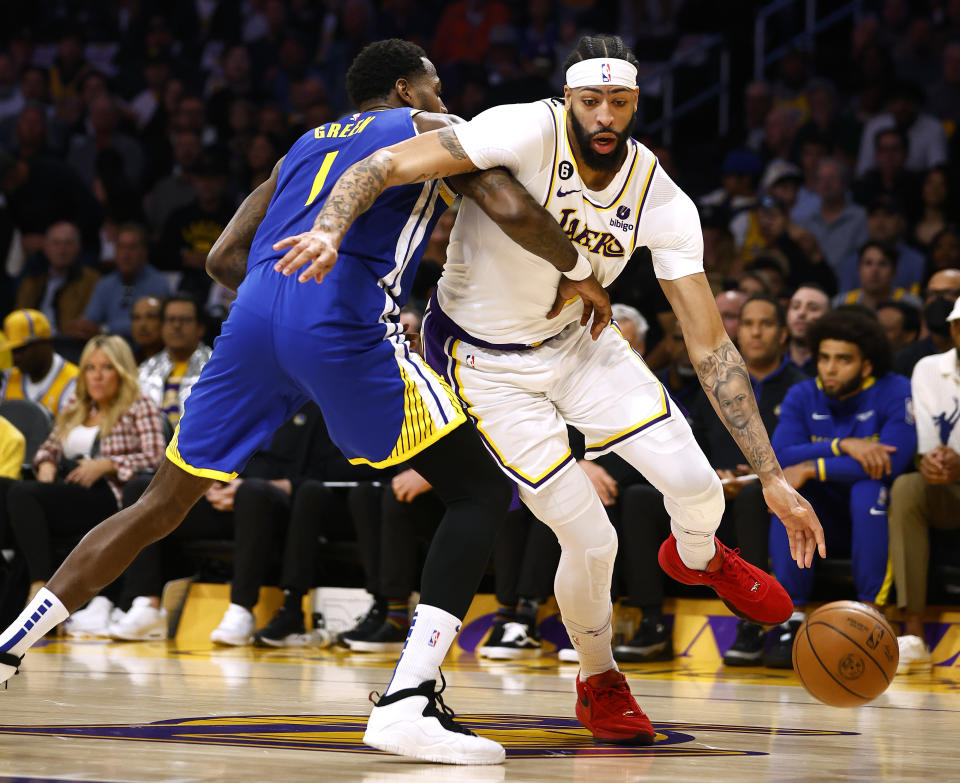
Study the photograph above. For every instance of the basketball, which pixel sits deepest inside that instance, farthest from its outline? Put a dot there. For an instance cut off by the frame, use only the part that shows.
(845, 654)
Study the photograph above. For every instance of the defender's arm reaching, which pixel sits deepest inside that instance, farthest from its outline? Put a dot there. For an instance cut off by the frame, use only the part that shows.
(437, 153)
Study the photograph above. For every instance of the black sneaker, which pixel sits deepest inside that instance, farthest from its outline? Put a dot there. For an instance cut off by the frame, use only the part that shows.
(651, 642)
(780, 656)
(513, 639)
(387, 638)
(287, 629)
(367, 624)
(747, 650)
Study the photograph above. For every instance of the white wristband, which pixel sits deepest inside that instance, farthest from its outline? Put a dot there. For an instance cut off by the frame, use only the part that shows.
(581, 270)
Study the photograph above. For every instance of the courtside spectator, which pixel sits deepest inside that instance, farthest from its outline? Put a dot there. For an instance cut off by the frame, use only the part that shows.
(929, 498)
(942, 291)
(56, 283)
(38, 374)
(633, 326)
(900, 321)
(114, 295)
(840, 227)
(843, 438)
(887, 224)
(167, 377)
(146, 324)
(103, 436)
(876, 270)
(190, 231)
(729, 304)
(925, 135)
(13, 447)
(807, 304)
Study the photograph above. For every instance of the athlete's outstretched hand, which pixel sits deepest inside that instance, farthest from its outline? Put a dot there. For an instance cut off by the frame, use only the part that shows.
(316, 248)
(596, 302)
(803, 528)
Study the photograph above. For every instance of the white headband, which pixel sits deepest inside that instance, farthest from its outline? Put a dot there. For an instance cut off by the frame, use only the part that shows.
(602, 71)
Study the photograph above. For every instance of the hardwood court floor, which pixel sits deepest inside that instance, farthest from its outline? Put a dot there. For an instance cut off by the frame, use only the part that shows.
(100, 711)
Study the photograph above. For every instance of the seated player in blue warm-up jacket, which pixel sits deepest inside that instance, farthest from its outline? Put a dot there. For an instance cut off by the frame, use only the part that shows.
(843, 437)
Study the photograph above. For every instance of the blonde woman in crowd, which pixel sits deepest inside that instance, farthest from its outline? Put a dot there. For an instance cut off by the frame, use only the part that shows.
(101, 438)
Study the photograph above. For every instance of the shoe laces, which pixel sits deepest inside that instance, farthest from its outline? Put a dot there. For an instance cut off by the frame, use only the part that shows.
(732, 568)
(436, 708)
(615, 696)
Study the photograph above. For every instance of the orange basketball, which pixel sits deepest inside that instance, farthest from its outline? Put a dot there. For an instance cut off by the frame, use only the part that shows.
(845, 654)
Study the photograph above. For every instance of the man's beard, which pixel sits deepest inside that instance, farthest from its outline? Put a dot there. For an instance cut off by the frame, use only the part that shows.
(597, 161)
(850, 387)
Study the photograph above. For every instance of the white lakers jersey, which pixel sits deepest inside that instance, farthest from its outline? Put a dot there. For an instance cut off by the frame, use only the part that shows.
(496, 291)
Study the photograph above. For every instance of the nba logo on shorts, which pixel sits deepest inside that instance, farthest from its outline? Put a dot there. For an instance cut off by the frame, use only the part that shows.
(434, 638)
(605, 72)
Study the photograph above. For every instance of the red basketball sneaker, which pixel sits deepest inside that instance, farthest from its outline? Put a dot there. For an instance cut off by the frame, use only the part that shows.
(749, 592)
(607, 708)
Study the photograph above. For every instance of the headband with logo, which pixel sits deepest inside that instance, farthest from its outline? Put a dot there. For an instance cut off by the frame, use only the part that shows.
(601, 71)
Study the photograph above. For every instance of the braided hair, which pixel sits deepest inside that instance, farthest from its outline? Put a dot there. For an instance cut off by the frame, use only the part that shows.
(593, 46)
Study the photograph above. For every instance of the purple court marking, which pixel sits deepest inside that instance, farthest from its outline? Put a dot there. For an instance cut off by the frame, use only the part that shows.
(523, 736)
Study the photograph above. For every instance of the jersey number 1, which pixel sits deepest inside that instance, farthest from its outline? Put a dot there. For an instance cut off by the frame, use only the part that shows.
(321, 176)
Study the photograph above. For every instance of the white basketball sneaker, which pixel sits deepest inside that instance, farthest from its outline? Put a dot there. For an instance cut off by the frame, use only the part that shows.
(9, 665)
(144, 622)
(93, 620)
(914, 655)
(415, 722)
(236, 627)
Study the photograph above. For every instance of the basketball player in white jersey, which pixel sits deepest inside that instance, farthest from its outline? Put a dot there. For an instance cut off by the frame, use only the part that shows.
(524, 375)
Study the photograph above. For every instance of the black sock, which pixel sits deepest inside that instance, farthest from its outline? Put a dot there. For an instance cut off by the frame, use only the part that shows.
(654, 614)
(527, 609)
(292, 601)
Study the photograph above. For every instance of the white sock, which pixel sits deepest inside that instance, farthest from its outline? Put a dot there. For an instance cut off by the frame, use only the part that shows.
(431, 633)
(593, 647)
(696, 549)
(42, 614)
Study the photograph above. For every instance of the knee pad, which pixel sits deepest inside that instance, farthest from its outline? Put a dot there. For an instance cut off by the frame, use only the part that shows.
(599, 560)
(567, 497)
(700, 512)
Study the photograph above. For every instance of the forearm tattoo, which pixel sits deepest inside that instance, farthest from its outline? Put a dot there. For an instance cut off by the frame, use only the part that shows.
(354, 193)
(724, 378)
(359, 186)
(519, 215)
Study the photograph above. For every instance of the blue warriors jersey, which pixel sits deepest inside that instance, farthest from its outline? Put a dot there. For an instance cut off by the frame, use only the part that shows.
(379, 255)
(850, 505)
(338, 343)
(811, 426)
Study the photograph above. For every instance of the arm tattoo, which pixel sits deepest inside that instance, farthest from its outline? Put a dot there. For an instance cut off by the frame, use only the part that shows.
(448, 139)
(227, 260)
(354, 193)
(724, 378)
(519, 215)
(361, 184)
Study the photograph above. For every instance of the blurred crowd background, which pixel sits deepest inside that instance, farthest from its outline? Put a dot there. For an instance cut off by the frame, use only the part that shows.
(824, 162)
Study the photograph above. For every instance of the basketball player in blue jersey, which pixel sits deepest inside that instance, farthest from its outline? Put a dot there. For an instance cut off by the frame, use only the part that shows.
(340, 344)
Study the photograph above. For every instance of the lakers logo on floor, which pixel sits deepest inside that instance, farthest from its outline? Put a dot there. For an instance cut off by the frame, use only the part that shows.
(523, 736)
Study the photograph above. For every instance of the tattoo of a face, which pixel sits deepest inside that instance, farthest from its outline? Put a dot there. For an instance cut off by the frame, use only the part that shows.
(724, 377)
